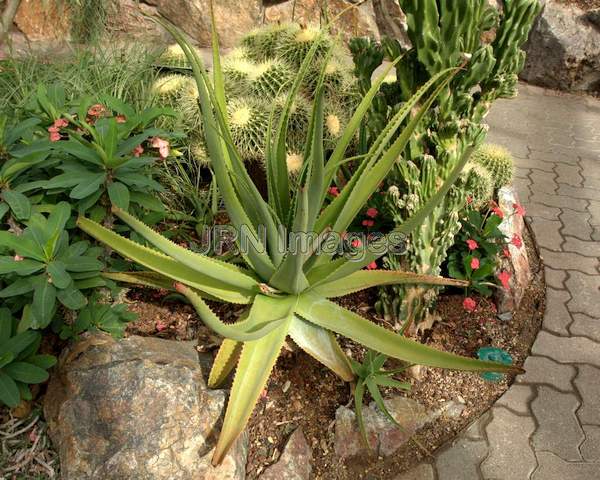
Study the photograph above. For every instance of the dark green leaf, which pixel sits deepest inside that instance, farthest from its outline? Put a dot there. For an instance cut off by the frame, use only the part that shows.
(9, 392)
(119, 195)
(19, 204)
(58, 274)
(26, 372)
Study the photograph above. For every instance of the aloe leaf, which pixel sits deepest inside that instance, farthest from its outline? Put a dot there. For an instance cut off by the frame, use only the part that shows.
(216, 269)
(254, 368)
(148, 279)
(259, 324)
(331, 316)
(165, 265)
(359, 394)
(225, 361)
(364, 279)
(322, 346)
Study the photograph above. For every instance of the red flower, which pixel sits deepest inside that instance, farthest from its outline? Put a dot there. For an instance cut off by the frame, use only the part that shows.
(54, 136)
(469, 200)
(469, 304)
(504, 277)
(96, 110)
(472, 244)
(334, 191)
(161, 145)
(121, 118)
(61, 123)
(516, 241)
(506, 252)
(498, 211)
(372, 266)
(137, 151)
(474, 263)
(356, 243)
(160, 326)
(519, 209)
(368, 223)
(372, 212)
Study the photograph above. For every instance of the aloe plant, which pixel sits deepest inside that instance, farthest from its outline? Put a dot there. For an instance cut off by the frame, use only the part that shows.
(288, 289)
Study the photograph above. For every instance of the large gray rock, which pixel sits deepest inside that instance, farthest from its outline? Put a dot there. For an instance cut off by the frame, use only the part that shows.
(136, 409)
(384, 437)
(563, 51)
(295, 462)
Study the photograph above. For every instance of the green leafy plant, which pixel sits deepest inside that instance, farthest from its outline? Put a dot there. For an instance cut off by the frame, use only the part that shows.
(108, 318)
(370, 376)
(45, 268)
(101, 153)
(287, 289)
(20, 364)
(476, 252)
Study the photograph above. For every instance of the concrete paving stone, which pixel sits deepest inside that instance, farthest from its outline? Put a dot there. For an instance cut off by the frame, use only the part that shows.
(557, 318)
(579, 192)
(543, 182)
(522, 172)
(552, 467)
(535, 164)
(553, 155)
(585, 292)
(566, 349)
(590, 448)
(420, 472)
(510, 455)
(591, 182)
(576, 224)
(558, 429)
(594, 210)
(591, 169)
(555, 278)
(584, 325)
(521, 185)
(596, 234)
(560, 201)
(569, 174)
(460, 461)
(517, 398)
(569, 261)
(540, 210)
(589, 248)
(547, 232)
(587, 382)
(547, 371)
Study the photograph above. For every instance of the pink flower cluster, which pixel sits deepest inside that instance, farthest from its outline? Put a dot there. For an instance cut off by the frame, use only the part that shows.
(54, 130)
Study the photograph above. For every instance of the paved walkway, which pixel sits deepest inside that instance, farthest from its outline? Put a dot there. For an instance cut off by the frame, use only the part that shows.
(547, 425)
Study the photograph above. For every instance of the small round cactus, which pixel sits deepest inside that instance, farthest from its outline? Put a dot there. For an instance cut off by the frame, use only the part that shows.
(498, 161)
(298, 121)
(294, 46)
(248, 120)
(265, 79)
(197, 151)
(261, 43)
(478, 184)
(187, 106)
(168, 87)
(173, 57)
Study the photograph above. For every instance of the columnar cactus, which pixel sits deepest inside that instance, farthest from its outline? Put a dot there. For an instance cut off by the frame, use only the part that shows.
(486, 43)
(498, 161)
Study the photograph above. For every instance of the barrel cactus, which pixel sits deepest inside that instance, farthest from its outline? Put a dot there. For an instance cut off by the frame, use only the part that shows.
(248, 120)
(173, 57)
(295, 45)
(478, 184)
(261, 43)
(498, 161)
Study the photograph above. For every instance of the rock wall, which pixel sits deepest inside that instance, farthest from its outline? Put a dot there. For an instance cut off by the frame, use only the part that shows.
(563, 51)
(45, 25)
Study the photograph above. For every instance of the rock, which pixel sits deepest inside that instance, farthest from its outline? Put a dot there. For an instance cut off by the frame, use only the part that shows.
(136, 409)
(563, 51)
(295, 462)
(356, 21)
(384, 437)
(42, 20)
(508, 300)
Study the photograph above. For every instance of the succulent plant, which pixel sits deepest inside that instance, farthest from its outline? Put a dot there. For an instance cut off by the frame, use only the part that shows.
(498, 161)
(262, 43)
(478, 184)
(298, 41)
(248, 121)
(173, 57)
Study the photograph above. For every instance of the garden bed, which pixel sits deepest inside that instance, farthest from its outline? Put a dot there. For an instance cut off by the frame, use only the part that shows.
(302, 393)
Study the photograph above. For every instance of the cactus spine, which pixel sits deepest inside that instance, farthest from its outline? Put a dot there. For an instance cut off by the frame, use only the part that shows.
(497, 161)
